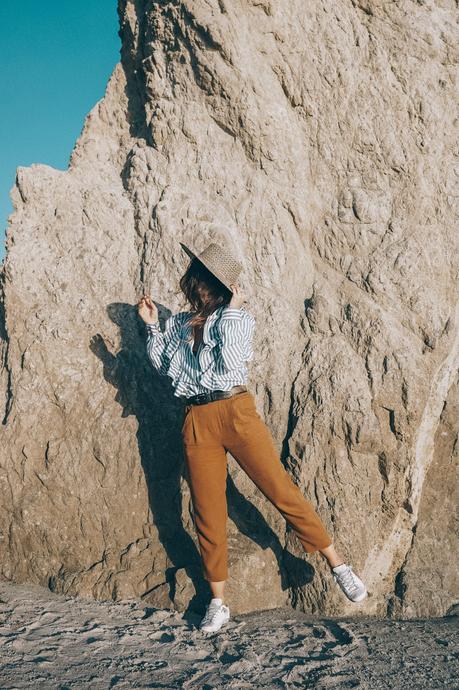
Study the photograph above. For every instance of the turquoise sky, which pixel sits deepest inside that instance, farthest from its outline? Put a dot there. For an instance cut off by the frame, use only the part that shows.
(55, 60)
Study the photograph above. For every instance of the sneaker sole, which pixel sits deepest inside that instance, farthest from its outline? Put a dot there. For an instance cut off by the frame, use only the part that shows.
(204, 629)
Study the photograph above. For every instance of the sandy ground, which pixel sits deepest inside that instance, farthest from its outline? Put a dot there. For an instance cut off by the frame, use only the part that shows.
(57, 641)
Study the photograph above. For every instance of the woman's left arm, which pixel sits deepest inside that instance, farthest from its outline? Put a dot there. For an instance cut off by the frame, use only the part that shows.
(158, 342)
(236, 328)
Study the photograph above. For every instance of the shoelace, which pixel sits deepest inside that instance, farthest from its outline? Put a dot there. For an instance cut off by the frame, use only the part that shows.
(212, 609)
(347, 578)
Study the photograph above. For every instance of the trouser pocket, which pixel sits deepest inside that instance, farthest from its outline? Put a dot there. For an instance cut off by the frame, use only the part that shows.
(186, 422)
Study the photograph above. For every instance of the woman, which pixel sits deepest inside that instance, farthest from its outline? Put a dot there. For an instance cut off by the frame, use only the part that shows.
(205, 352)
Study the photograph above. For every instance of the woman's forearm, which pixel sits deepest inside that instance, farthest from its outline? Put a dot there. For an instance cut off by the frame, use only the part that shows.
(161, 346)
(236, 329)
(155, 347)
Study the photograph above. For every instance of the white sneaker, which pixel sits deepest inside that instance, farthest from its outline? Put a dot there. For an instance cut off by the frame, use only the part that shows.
(215, 616)
(351, 585)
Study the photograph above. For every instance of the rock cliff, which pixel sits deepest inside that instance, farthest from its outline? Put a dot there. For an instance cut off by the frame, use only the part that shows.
(320, 140)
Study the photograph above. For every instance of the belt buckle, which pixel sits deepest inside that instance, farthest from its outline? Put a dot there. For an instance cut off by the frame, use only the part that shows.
(200, 396)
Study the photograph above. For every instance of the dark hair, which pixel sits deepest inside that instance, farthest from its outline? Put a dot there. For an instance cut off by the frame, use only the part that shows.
(203, 290)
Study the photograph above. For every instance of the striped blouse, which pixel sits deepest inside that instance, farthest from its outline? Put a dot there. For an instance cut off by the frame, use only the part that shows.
(220, 361)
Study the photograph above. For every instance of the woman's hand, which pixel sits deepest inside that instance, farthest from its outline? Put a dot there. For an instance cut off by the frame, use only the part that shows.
(147, 310)
(238, 297)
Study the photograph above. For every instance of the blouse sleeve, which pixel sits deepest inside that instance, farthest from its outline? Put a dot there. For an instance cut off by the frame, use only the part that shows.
(236, 329)
(161, 345)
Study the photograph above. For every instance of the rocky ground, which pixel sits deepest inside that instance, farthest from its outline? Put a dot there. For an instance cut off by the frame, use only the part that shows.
(57, 641)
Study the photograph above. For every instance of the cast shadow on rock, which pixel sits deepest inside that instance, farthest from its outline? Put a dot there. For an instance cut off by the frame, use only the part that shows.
(142, 392)
(294, 571)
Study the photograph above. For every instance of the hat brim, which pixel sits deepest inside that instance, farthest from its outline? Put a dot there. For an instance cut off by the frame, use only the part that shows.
(192, 255)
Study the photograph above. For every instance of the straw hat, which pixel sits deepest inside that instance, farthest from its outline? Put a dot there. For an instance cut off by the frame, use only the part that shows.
(219, 261)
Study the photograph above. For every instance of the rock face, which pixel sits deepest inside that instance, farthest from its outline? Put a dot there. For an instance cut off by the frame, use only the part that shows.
(319, 140)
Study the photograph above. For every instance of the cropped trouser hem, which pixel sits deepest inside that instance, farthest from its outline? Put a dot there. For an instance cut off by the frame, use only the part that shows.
(234, 424)
(311, 548)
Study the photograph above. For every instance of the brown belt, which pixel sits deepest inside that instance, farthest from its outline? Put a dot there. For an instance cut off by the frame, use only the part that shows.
(202, 398)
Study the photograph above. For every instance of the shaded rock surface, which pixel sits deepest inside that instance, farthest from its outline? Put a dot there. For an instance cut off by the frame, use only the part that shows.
(321, 142)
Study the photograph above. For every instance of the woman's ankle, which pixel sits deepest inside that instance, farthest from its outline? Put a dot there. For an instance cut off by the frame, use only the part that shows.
(333, 557)
(217, 589)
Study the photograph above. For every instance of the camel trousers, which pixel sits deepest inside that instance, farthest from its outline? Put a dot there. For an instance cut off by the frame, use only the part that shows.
(234, 424)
